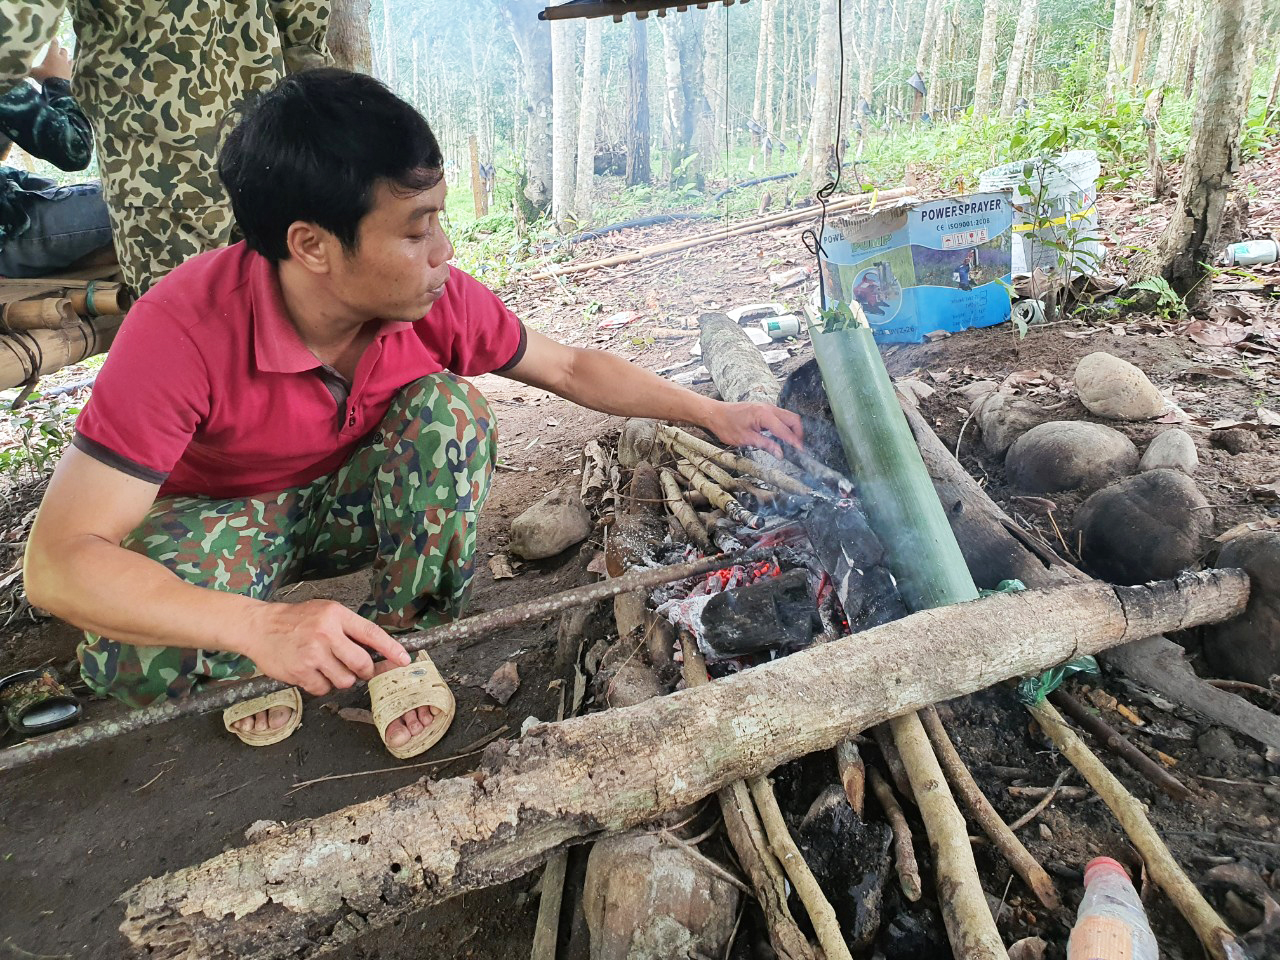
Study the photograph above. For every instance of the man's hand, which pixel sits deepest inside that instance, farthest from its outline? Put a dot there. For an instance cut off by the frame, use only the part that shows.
(318, 645)
(746, 424)
(56, 63)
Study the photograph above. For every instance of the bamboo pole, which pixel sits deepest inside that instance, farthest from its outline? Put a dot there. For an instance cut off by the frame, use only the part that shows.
(753, 226)
(100, 299)
(24, 356)
(1216, 936)
(1024, 864)
(45, 314)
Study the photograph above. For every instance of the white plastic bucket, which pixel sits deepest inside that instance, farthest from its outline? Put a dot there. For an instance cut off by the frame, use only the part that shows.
(1054, 203)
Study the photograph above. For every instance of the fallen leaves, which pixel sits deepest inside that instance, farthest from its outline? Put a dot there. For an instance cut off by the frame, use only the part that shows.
(504, 683)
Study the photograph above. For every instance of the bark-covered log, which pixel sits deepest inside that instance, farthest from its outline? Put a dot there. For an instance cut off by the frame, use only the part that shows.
(736, 364)
(321, 882)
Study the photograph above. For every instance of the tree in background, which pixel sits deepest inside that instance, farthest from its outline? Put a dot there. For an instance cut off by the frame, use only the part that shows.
(564, 120)
(348, 36)
(1190, 240)
(1118, 63)
(639, 169)
(984, 84)
(821, 149)
(589, 118)
(1013, 72)
(533, 42)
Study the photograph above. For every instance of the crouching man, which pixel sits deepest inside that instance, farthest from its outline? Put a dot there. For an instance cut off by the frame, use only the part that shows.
(291, 407)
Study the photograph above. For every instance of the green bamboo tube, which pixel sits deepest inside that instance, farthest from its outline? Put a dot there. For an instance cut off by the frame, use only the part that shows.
(890, 475)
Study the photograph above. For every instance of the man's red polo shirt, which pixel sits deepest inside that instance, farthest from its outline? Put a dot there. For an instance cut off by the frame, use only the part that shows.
(209, 391)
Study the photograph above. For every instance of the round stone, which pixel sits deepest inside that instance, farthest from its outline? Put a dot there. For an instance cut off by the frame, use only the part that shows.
(1069, 455)
(1148, 527)
(1116, 389)
(1172, 450)
(1248, 647)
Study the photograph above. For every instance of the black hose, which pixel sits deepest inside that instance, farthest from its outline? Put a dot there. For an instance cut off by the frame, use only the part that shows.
(652, 221)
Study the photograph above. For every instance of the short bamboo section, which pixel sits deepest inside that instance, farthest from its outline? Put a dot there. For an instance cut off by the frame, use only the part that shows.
(49, 323)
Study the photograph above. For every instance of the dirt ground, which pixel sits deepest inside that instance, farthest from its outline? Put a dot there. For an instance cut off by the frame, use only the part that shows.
(77, 831)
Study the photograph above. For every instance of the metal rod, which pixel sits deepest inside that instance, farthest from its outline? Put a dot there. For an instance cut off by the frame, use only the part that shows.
(469, 630)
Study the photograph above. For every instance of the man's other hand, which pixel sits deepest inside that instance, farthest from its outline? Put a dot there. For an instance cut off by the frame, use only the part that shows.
(751, 424)
(56, 63)
(318, 645)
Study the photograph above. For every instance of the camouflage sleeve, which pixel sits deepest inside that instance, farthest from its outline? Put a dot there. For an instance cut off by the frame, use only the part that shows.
(25, 27)
(302, 25)
(47, 123)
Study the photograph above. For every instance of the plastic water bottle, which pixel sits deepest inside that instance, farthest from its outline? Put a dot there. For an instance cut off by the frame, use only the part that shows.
(1111, 923)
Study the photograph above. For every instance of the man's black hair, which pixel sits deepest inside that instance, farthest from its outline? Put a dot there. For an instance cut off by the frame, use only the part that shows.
(313, 148)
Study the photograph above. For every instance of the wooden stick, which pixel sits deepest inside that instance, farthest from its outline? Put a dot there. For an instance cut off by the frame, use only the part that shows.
(1048, 797)
(752, 226)
(746, 835)
(683, 512)
(853, 775)
(463, 632)
(1119, 744)
(819, 470)
(1062, 793)
(546, 932)
(48, 314)
(731, 461)
(1024, 864)
(826, 925)
(892, 762)
(563, 783)
(715, 473)
(903, 846)
(970, 926)
(1216, 936)
(720, 498)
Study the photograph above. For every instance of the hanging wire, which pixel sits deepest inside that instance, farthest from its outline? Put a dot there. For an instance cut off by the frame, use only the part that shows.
(813, 239)
(727, 176)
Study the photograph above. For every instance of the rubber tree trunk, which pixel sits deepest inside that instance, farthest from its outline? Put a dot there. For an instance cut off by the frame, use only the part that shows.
(638, 167)
(589, 119)
(1118, 60)
(533, 43)
(1013, 74)
(1191, 238)
(348, 35)
(319, 883)
(822, 124)
(984, 85)
(564, 120)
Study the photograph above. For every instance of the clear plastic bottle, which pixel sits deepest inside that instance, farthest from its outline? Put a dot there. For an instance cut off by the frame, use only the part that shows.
(1111, 923)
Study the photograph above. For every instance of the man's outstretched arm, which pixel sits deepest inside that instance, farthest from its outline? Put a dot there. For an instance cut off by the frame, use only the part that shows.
(610, 384)
(76, 569)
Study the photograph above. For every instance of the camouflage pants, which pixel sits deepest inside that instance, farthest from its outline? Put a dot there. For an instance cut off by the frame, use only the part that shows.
(151, 241)
(405, 504)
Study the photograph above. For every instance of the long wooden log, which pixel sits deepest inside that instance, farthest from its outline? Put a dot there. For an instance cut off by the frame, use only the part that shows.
(998, 549)
(783, 219)
(736, 364)
(318, 882)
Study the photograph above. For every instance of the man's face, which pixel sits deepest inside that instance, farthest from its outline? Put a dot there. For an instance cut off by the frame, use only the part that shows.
(400, 264)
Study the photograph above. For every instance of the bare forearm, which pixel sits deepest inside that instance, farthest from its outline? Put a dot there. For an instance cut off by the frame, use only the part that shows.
(117, 593)
(606, 382)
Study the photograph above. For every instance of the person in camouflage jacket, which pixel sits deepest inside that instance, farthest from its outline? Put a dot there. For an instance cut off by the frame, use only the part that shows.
(156, 78)
(45, 227)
